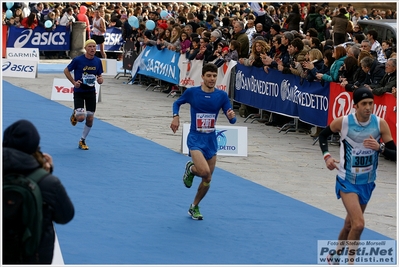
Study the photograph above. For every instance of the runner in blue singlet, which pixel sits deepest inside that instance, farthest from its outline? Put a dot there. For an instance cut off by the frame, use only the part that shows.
(87, 70)
(205, 102)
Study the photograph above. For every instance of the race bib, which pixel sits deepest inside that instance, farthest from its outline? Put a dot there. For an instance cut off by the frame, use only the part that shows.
(89, 79)
(205, 123)
(362, 160)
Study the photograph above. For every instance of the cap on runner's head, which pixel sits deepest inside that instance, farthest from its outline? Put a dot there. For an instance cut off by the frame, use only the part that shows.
(362, 93)
(90, 41)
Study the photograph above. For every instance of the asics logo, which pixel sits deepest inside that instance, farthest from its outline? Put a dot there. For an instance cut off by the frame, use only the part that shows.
(23, 39)
(113, 38)
(6, 65)
(37, 38)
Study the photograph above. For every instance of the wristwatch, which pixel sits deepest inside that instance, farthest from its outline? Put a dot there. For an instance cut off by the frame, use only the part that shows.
(174, 115)
(382, 148)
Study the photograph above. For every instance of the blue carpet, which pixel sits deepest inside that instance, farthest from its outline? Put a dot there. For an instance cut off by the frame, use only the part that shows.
(51, 68)
(59, 67)
(131, 204)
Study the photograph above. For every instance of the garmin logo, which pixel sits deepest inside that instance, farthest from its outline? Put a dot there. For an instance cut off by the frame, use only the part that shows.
(161, 68)
(22, 55)
(37, 38)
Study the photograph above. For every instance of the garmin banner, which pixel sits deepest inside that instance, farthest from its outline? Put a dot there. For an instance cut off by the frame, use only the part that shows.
(113, 40)
(282, 93)
(159, 64)
(29, 54)
(58, 39)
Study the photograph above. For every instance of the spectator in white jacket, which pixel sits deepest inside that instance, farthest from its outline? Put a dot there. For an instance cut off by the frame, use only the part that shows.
(67, 17)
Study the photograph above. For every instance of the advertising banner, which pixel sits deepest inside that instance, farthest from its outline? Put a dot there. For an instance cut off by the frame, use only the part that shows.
(159, 64)
(224, 74)
(113, 39)
(30, 54)
(282, 93)
(19, 68)
(62, 90)
(341, 103)
(191, 73)
(58, 39)
(232, 140)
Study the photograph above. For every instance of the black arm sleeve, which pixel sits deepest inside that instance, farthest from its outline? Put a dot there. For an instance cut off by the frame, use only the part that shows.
(324, 134)
(390, 150)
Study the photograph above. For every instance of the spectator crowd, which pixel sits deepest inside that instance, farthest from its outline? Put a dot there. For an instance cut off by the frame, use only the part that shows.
(318, 42)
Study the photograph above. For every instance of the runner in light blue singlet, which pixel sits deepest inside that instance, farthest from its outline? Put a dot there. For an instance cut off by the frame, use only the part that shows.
(363, 137)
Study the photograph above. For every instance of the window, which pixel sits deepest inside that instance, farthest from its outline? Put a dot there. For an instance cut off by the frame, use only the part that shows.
(392, 37)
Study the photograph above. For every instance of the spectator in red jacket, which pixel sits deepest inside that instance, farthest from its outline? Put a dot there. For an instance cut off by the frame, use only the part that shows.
(84, 18)
(30, 22)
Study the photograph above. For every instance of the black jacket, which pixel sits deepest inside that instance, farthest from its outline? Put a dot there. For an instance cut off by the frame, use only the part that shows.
(127, 31)
(311, 74)
(293, 21)
(375, 74)
(284, 56)
(388, 52)
(58, 207)
(356, 80)
(385, 85)
(211, 57)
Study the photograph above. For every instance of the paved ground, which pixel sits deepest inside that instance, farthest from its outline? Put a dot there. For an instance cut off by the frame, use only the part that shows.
(287, 163)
